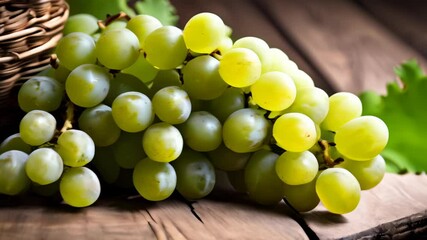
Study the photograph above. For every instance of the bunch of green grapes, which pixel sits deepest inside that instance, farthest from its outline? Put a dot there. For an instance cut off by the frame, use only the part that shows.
(174, 106)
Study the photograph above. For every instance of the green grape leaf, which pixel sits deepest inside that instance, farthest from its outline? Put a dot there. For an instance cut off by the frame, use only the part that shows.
(161, 9)
(404, 111)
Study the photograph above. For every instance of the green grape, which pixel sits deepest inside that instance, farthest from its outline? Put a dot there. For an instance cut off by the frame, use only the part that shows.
(301, 79)
(313, 102)
(240, 67)
(165, 78)
(278, 58)
(81, 22)
(296, 168)
(44, 166)
(368, 173)
(274, 91)
(142, 25)
(117, 48)
(117, 24)
(75, 147)
(237, 180)
(154, 181)
(362, 138)
(106, 165)
(61, 73)
(262, 183)
(99, 124)
(15, 142)
(132, 111)
(202, 131)
(231, 100)
(75, 49)
(203, 33)
(343, 107)
(13, 179)
(295, 132)
(40, 93)
(338, 190)
(302, 197)
(259, 46)
(226, 44)
(172, 105)
(88, 85)
(246, 130)
(225, 159)
(202, 79)
(142, 69)
(162, 142)
(195, 175)
(127, 150)
(122, 83)
(37, 127)
(79, 187)
(165, 48)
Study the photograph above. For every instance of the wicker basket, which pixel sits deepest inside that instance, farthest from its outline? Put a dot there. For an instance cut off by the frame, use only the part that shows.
(29, 30)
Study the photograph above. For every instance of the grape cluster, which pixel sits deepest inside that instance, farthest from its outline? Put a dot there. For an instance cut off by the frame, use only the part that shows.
(162, 109)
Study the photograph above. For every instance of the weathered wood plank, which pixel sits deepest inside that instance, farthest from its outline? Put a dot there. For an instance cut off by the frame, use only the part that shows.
(246, 19)
(396, 197)
(352, 49)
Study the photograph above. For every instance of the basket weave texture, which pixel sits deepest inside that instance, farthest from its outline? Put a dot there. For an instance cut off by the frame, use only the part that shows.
(29, 31)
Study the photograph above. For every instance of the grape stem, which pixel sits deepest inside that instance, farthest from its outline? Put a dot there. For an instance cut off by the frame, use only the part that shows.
(69, 117)
(329, 161)
(111, 18)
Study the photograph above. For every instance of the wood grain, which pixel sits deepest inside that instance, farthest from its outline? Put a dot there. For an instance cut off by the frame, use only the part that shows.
(352, 49)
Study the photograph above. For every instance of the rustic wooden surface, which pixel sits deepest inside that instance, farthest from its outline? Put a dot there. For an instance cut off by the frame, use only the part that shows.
(345, 46)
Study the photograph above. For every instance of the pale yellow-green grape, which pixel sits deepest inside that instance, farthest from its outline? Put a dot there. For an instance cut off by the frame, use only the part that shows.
(61, 73)
(343, 106)
(294, 132)
(122, 83)
(44, 166)
(81, 22)
(154, 181)
(278, 60)
(203, 33)
(259, 46)
(226, 44)
(165, 78)
(262, 183)
(202, 131)
(79, 187)
(88, 85)
(172, 105)
(15, 142)
(274, 91)
(369, 173)
(202, 79)
(75, 49)
(162, 142)
(313, 102)
(40, 93)
(296, 168)
(237, 180)
(132, 111)
(362, 138)
(301, 79)
(231, 100)
(13, 179)
(117, 48)
(75, 147)
(142, 25)
(98, 122)
(127, 150)
(165, 48)
(105, 164)
(117, 24)
(338, 190)
(240, 67)
(225, 159)
(142, 69)
(302, 197)
(195, 175)
(37, 127)
(246, 130)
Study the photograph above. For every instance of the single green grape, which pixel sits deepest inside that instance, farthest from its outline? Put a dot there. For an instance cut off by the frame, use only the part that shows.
(162, 142)
(79, 187)
(343, 107)
(296, 168)
(75, 147)
(302, 197)
(240, 67)
(142, 25)
(44, 166)
(231, 100)
(81, 22)
(40, 93)
(37, 127)
(75, 49)
(259, 46)
(313, 102)
(172, 105)
(123, 82)
(127, 150)
(13, 179)
(15, 142)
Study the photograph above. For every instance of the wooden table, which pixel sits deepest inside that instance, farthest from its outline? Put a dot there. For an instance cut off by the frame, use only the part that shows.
(345, 46)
